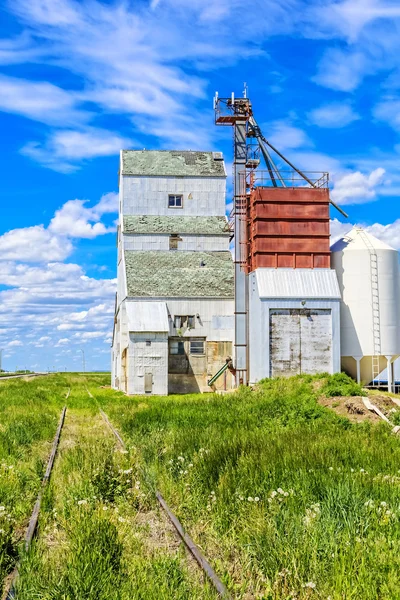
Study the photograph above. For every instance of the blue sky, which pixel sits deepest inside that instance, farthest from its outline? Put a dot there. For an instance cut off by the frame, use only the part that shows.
(80, 80)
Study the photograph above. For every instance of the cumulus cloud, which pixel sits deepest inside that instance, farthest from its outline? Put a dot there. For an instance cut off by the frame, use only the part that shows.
(14, 344)
(333, 115)
(33, 244)
(357, 188)
(74, 219)
(390, 233)
(63, 151)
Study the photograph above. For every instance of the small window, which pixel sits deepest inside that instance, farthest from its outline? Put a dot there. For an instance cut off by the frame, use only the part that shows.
(176, 347)
(175, 201)
(148, 343)
(184, 321)
(196, 346)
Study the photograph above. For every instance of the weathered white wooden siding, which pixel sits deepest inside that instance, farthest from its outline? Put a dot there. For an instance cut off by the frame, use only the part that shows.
(148, 359)
(300, 341)
(149, 195)
(215, 321)
(157, 241)
(259, 332)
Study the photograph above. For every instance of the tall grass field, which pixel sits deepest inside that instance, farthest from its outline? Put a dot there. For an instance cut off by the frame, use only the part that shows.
(287, 499)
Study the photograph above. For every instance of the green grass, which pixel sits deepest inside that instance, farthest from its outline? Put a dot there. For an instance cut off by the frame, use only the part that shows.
(288, 499)
(285, 498)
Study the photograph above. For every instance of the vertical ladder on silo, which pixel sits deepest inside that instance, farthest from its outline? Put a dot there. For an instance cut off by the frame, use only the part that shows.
(376, 323)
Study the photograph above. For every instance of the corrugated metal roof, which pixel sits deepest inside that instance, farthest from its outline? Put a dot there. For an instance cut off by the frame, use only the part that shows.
(172, 163)
(179, 274)
(147, 316)
(175, 224)
(297, 283)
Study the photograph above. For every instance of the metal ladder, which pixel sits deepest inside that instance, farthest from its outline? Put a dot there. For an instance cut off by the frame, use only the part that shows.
(376, 323)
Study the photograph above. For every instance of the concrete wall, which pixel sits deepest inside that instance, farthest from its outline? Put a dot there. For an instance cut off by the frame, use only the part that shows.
(149, 195)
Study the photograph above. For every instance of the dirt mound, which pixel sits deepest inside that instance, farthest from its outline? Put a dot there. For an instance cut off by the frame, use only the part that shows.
(353, 407)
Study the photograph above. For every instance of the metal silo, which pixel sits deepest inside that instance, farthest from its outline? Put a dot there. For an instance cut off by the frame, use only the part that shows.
(368, 274)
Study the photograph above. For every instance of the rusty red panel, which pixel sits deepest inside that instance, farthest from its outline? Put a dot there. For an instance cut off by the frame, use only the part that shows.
(288, 228)
(290, 244)
(292, 228)
(281, 210)
(296, 195)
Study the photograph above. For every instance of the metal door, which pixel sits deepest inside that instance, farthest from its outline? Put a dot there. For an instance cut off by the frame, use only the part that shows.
(300, 341)
(148, 383)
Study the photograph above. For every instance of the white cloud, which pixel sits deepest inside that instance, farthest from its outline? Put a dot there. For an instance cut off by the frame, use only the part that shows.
(388, 110)
(341, 70)
(33, 244)
(64, 149)
(14, 344)
(286, 136)
(40, 101)
(390, 233)
(75, 220)
(334, 115)
(357, 188)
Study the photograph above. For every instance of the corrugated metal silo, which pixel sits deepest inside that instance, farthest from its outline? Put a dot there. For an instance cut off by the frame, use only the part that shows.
(369, 281)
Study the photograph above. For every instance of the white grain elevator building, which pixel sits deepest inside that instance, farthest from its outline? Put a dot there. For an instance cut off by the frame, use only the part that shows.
(369, 281)
(174, 324)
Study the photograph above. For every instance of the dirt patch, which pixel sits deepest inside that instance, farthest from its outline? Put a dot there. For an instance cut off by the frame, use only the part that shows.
(384, 403)
(351, 407)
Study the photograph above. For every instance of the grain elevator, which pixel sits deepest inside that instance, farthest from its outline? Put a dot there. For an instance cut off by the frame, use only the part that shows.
(287, 296)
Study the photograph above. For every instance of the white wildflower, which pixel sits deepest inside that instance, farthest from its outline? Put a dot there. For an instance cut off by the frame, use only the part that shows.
(181, 459)
(105, 507)
(310, 584)
(80, 502)
(121, 519)
(273, 494)
(280, 491)
(331, 468)
(250, 499)
(256, 499)
(190, 465)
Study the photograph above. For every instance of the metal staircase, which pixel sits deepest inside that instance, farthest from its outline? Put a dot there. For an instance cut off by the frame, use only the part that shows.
(376, 323)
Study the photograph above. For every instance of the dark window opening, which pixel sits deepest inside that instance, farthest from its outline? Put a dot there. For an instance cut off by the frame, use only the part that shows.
(196, 346)
(181, 321)
(175, 201)
(148, 343)
(176, 347)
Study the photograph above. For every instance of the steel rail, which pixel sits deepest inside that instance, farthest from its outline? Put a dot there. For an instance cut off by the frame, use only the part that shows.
(185, 537)
(6, 377)
(9, 592)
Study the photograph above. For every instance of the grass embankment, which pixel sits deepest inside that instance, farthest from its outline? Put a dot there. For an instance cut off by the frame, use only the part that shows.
(100, 534)
(29, 412)
(287, 499)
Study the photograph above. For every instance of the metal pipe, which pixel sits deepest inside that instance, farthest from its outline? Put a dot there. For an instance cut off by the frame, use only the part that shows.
(287, 161)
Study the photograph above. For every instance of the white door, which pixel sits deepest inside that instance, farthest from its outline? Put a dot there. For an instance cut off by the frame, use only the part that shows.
(300, 341)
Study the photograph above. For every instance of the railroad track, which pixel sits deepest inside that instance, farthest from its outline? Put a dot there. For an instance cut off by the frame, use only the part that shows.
(9, 591)
(192, 547)
(7, 377)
